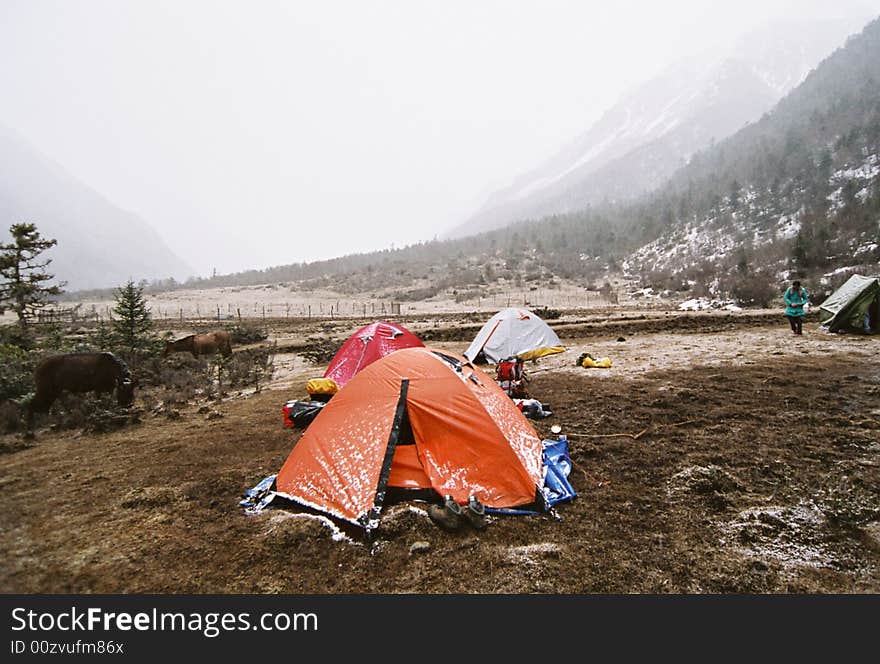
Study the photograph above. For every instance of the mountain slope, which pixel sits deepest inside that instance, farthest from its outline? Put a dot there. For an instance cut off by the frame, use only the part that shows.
(797, 191)
(655, 129)
(99, 244)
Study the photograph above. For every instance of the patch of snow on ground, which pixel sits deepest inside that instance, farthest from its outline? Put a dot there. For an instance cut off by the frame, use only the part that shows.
(695, 304)
(789, 535)
(644, 292)
(841, 269)
(530, 554)
(704, 303)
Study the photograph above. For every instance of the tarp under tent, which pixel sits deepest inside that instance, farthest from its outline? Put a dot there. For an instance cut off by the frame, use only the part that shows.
(368, 344)
(415, 419)
(514, 333)
(854, 307)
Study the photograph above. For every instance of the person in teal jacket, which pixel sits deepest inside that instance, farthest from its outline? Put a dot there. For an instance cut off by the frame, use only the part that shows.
(795, 298)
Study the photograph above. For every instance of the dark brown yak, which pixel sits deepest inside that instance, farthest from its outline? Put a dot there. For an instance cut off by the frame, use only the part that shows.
(202, 344)
(79, 373)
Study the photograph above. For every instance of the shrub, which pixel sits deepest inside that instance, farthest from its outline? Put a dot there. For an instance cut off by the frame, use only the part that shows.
(178, 379)
(247, 333)
(15, 335)
(548, 314)
(16, 371)
(90, 412)
(466, 295)
(250, 368)
(754, 289)
(321, 350)
(416, 294)
(11, 415)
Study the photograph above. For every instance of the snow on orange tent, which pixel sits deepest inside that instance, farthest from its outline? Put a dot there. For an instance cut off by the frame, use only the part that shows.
(368, 344)
(418, 418)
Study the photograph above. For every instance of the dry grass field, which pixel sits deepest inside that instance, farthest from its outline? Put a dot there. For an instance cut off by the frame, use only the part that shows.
(718, 454)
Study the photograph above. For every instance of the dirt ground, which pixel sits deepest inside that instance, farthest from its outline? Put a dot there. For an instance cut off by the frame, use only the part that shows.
(718, 454)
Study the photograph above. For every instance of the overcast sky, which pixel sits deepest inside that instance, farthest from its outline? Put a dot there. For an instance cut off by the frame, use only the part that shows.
(255, 133)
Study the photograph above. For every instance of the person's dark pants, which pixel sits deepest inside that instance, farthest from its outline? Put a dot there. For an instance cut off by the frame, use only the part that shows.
(797, 324)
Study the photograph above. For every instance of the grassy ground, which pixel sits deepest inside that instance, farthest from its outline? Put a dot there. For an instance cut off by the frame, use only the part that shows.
(751, 465)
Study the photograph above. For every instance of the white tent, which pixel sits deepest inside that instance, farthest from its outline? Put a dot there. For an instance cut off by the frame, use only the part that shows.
(513, 333)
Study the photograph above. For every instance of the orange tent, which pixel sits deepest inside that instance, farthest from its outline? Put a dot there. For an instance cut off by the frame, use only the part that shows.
(416, 419)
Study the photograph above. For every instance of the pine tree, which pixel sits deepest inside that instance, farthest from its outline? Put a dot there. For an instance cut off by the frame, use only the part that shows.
(799, 252)
(132, 324)
(742, 262)
(735, 194)
(24, 276)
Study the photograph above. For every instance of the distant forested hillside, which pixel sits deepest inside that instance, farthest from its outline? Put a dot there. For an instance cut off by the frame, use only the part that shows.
(797, 192)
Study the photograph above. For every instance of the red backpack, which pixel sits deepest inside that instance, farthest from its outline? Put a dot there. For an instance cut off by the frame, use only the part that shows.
(509, 370)
(511, 377)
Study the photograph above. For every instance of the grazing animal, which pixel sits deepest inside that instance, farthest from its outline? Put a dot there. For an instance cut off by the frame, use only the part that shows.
(202, 344)
(79, 373)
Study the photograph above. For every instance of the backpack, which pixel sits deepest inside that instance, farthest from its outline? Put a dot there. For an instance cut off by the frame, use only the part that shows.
(321, 389)
(508, 370)
(299, 414)
(511, 377)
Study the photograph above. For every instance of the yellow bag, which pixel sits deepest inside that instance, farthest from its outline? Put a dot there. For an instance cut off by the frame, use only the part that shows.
(322, 386)
(601, 363)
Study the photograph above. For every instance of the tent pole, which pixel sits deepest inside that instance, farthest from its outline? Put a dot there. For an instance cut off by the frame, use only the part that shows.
(371, 519)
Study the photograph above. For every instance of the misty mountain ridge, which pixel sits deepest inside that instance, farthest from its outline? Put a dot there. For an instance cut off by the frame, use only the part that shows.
(99, 244)
(656, 128)
(797, 192)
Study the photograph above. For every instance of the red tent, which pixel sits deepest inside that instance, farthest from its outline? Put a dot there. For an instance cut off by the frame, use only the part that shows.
(367, 345)
(416, 419)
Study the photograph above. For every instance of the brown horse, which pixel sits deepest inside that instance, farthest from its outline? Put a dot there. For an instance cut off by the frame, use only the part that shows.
(79, 373)
(202, 344)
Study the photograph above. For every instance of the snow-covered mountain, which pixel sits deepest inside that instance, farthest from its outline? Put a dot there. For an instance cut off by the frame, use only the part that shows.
(796, 193)
(756, 226)
(653, 130)
(99, 244)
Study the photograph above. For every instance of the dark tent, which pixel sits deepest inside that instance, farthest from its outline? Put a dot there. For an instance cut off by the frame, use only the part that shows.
(854, 307)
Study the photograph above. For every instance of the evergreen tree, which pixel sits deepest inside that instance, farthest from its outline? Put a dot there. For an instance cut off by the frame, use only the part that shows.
(132, 324)
(742, 262)
(23, 288)
(735, 194)
(799, 252)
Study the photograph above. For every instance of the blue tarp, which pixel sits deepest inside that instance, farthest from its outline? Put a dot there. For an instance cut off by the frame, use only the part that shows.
(557, 466)
(260, 496)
